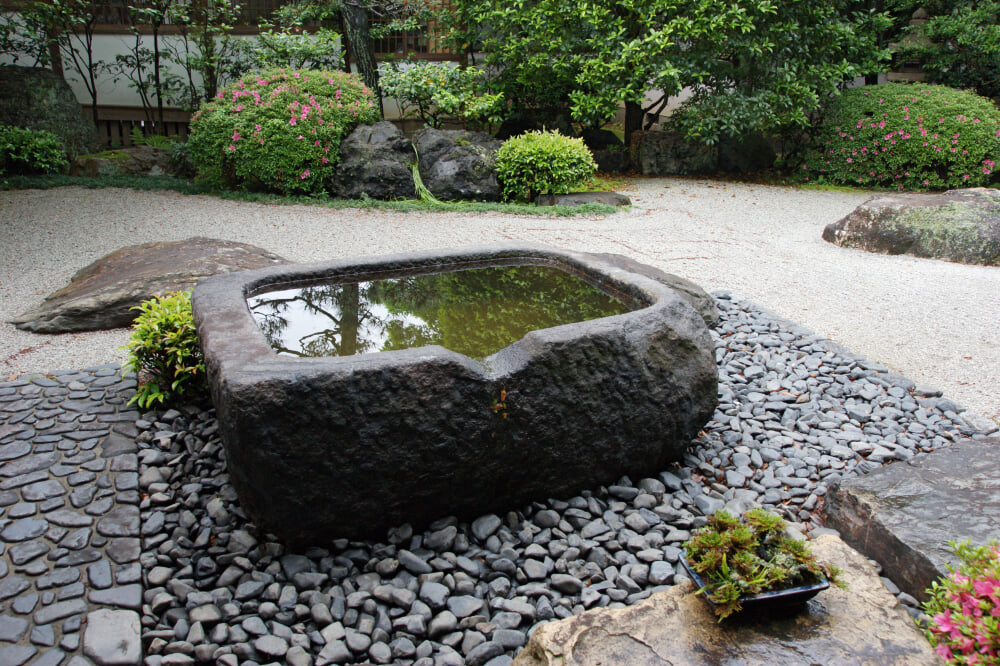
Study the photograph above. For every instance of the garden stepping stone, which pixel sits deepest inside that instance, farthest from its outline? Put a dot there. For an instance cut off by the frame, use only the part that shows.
(102, 295)
(905, 515)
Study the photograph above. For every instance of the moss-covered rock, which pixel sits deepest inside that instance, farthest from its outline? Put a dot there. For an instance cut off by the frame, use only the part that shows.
(40, 99)
(958, 225)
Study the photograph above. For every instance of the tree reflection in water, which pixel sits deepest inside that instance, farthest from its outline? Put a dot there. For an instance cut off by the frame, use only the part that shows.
(475, 312)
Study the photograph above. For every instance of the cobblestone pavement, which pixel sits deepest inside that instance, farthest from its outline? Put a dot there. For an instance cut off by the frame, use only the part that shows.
(70, 578)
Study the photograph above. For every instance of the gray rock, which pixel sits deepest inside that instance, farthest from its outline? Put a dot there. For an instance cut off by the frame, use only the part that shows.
(375, 161)
(484, 526)
(37, 98)
(658, 153)
(101, 295)
(12, 629)
(456, 164)
(112, 637)
(905, 515)
(483, 652)
(271, 647)
(434, 595)
(958, 225)
(863, 622)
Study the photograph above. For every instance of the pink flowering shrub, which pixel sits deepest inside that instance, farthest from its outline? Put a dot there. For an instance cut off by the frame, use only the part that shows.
(906, 137)
(965, 607)
(279, 130)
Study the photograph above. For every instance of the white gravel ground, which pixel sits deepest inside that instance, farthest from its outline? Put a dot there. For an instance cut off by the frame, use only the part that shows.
(936, 322)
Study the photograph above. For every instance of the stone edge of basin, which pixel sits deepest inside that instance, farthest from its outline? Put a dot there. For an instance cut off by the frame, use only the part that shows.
(238, 344)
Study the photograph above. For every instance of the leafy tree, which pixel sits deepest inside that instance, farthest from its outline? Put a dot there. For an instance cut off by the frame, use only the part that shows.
(959, 45)
(206, 50)
(752, 65)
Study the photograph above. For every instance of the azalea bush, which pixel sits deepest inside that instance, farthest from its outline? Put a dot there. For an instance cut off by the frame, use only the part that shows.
(279, 130)
(907, 137)
(25, 151)
(164, 351)
(543, 162)
(434, 91)
(965, 607)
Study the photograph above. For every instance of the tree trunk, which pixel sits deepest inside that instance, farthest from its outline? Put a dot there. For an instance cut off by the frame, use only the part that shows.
(633, 120)
(359, 40)
(350, 318)
(157, 84)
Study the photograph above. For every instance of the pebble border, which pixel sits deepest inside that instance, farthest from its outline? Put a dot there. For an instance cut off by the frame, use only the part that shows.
(796, 413)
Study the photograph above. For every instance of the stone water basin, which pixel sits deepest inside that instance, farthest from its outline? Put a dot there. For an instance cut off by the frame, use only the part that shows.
(374, 421)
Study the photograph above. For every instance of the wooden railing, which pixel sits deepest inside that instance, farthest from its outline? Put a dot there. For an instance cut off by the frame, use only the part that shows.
(115, 124)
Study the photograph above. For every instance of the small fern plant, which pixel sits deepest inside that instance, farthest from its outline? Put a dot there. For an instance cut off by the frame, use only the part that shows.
(164, 352)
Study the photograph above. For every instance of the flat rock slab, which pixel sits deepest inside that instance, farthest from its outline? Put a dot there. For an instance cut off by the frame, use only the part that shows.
(101, 295)
(581, 198)
(862, 625)
(958, 225)
(905, 514)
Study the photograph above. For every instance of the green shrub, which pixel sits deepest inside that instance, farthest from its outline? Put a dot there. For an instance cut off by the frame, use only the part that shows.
(543, 163)
(164, 351)
(435, 91)
(278, 131)
(911, 137)
(25, 151)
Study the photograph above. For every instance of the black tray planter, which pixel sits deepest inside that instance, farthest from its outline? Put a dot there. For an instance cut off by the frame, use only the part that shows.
(778, 600)
(752, 562)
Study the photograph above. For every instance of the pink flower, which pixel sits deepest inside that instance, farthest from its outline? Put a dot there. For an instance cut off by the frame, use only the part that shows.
(257, 127)
(324, 160)
(292, 123)
(236, 135)
(927, 182)
(232, 148)
(305, 174)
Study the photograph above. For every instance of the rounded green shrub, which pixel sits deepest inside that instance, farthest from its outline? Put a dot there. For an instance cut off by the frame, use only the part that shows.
(906, 137)
(543, 163)
(164, 351)
(278, 131)
(25, 151)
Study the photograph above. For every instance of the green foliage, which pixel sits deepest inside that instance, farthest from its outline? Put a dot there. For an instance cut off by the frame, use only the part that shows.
(25, 151)
(739, 559)
(164, 351)
(435, 91)
(911, 137)
(959, 45)
(543, 163)
(285, 43)
(965, 607)
(151, 140)
(752, 65)
(205, 50)
(278, 131)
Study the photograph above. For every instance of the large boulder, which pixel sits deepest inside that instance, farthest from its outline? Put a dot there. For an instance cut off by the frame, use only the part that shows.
(659, 153)
(457, 164)
(40, 99)
(904, 515)
(132, 161)
(101, 295)
(375, 160)
(957, 225)
(862, 625)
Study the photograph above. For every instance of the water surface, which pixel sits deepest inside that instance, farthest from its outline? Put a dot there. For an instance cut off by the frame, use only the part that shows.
(475, 312)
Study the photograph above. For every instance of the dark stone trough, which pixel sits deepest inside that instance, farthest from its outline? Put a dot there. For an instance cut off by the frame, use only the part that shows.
(348, 446)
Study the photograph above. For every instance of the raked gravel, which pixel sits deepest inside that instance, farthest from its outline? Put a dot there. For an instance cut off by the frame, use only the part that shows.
(935, 322)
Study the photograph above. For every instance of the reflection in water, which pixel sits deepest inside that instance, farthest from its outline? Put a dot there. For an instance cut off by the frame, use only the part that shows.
(475, 312)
